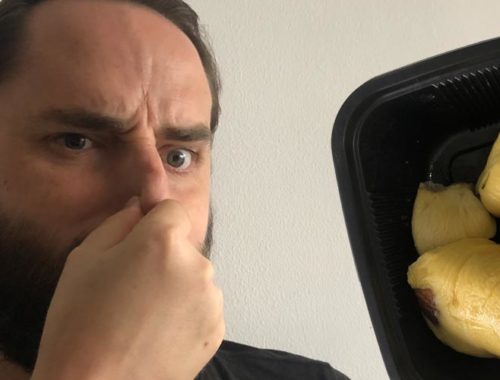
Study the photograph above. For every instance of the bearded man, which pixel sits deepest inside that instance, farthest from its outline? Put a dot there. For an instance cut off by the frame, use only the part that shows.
(108, 110)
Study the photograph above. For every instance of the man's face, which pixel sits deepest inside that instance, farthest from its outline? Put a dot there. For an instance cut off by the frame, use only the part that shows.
(109, 101)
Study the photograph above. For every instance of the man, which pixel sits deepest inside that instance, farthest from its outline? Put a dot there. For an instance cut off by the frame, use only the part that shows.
(108, 110)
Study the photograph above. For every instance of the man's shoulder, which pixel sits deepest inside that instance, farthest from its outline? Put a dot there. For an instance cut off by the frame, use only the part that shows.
(243, 362)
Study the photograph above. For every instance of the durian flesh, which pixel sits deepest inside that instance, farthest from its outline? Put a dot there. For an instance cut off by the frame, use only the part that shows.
(464, 280)
(488, 184)
(442, 215)
(488, 188)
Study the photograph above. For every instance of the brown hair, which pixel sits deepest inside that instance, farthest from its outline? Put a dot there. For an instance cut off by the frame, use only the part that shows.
(13, 15)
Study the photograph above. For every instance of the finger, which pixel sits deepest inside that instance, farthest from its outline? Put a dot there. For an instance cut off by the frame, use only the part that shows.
(115, 228)
(168, 216)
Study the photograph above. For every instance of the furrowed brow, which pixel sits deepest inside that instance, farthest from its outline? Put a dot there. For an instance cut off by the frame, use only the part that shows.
(84, 119)
(95, 122)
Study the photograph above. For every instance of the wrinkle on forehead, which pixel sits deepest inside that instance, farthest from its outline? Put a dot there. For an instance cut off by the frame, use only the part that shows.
(111, 52)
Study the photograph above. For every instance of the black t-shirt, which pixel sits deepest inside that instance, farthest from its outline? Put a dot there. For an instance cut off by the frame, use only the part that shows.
(235, 361)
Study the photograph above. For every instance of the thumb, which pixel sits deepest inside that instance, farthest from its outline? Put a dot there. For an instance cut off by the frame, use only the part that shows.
(114, 229)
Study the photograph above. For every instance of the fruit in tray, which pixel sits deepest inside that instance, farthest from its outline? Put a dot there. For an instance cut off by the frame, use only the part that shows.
(488, 185)
(457, 277)
(458, 288)
(442, 215)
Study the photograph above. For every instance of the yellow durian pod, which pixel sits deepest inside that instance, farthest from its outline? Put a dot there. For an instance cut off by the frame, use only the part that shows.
(488, 184)
(442, 215)
(458, 286)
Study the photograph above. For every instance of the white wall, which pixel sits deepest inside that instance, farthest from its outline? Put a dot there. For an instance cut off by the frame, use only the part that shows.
(282, 255)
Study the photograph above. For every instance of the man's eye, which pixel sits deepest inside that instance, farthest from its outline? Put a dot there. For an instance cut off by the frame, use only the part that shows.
(74, 141)
(179, 159)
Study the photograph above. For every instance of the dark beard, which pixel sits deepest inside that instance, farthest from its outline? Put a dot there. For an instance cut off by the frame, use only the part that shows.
(30, 268)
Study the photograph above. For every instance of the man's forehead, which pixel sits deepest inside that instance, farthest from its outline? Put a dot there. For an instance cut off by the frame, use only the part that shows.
(110, 56)
(122, 29)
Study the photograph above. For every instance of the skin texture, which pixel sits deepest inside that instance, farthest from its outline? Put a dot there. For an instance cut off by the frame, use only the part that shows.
(132, 66)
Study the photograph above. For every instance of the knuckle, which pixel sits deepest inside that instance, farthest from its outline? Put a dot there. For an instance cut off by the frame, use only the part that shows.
(168, 236)
(207, 269)
(175, 211)
(161, 238)
(165, 223)
(220, 297)
(205, 279)
(218, 304)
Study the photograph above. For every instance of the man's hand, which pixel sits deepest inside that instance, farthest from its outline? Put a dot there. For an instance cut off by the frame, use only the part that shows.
(136, 300)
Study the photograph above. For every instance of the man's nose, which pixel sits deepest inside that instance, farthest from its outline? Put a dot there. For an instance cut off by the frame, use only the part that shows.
(147, 176)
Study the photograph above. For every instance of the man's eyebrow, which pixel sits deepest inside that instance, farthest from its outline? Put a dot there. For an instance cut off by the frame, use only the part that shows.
(98, 123)
(194, 133)
(84, 119)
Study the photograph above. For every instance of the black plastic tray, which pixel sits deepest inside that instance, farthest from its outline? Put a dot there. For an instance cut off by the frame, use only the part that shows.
(434, 120)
